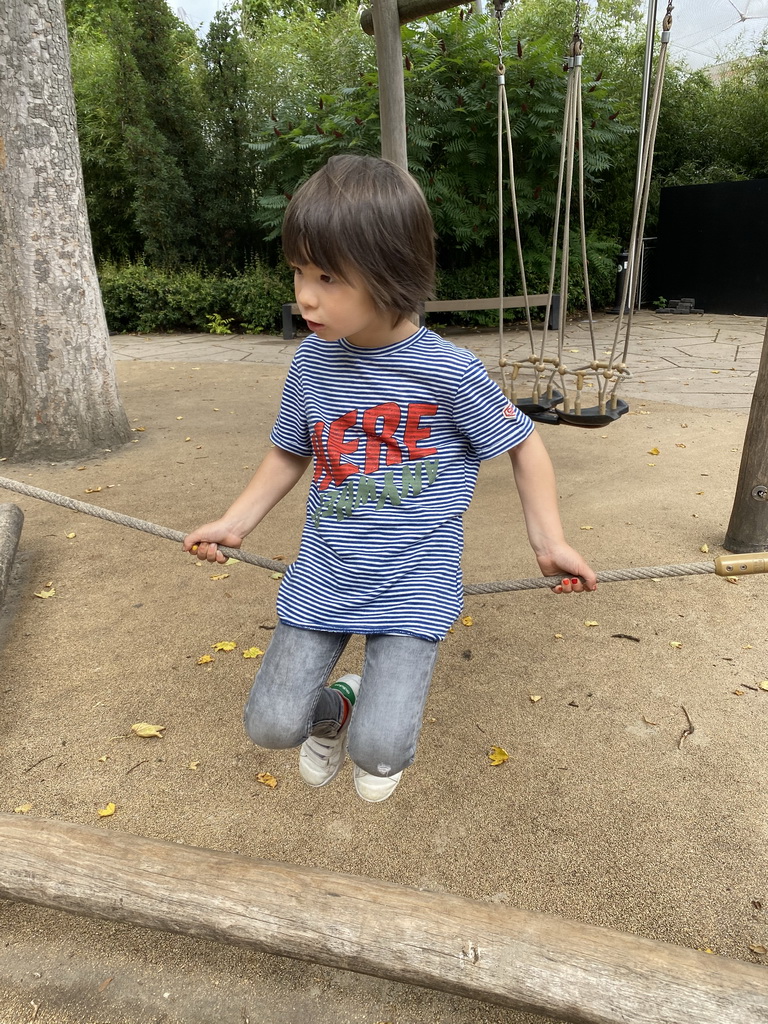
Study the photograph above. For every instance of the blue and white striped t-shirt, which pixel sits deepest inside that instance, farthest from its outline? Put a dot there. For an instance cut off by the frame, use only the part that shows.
(397, 435)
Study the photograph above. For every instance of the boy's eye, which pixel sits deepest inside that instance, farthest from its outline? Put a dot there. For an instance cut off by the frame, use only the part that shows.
(326, 278)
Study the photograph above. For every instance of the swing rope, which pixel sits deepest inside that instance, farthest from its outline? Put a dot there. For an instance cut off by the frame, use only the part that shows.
(655, 572)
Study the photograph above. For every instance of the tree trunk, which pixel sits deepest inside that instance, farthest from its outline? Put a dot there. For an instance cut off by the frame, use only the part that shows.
(748, 528)
(58, 393)
(574, 972)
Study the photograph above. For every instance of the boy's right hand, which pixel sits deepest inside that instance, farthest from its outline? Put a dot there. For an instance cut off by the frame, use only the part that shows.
(203, 542)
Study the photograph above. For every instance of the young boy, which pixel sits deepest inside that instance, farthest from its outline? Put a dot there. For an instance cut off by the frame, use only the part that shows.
(396, 421)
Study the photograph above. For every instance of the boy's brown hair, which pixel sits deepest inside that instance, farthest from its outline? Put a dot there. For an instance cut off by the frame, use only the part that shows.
(365, 217)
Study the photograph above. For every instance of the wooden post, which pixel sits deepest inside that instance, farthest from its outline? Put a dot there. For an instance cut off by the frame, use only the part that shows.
(389, 58)
(748, 528)
(533, 962)
(409, 10)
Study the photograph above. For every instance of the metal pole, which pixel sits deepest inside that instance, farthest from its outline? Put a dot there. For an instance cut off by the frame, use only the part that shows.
(650, 39)
(389, 58)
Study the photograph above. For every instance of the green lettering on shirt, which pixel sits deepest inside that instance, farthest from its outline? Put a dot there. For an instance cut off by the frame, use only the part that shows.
(389, 492)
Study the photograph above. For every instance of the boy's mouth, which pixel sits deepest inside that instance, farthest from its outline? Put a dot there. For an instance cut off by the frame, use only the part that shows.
(313, 325)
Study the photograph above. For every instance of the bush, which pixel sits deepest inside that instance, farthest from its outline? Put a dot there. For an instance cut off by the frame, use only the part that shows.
(139, 298)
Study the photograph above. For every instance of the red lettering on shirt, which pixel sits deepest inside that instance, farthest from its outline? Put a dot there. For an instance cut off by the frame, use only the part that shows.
(338, 447)
(415, 433)
(322, 468)
(390, 414)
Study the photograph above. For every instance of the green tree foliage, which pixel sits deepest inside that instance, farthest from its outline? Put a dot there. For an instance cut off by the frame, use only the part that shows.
(451, 112)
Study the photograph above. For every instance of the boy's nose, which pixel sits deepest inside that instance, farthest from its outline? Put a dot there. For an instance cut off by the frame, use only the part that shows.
(305, 297)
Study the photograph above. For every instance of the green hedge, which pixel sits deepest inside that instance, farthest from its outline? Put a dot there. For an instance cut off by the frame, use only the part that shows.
(139, 298)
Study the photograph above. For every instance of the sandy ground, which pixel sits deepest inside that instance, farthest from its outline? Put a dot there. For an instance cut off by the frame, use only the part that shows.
(600, 814)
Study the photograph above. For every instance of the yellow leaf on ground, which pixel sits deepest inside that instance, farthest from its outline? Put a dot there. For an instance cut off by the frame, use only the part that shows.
(224, 645)
(585, 527)
(467, 621)
(107, 812)
(205, 660)
(266, 779)
(145, 730)
(277, 575)
(71, 536)
(497, 755)
(534, 698)
(105, 757)
(139, 429)
(23, 808)
(92, 490)
(221, 576)
(704, 548)
(193, 765)
(654, 451)
(739, 693)
(46, 593)
(559, 636)
(675, 643)
(763, 685)
(588, 622)
(231, 561)
(678, 445)
(253, 652)
(759, 949)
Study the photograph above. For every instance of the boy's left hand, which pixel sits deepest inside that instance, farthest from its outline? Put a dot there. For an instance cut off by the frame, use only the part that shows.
(565, 560)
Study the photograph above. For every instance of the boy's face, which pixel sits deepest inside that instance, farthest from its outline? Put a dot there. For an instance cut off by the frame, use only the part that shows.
(336, 309)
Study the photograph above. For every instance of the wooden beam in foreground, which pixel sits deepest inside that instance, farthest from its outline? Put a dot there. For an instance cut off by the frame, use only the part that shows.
(409, 10)
(529, 961)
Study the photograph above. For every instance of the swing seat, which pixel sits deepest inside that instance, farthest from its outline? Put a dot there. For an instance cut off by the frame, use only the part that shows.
(592, 417)
(539, 409)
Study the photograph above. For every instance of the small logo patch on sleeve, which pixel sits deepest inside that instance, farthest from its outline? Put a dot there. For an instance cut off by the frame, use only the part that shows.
(510, 412)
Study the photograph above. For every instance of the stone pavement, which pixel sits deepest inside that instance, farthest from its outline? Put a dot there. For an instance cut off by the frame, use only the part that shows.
(707, 361)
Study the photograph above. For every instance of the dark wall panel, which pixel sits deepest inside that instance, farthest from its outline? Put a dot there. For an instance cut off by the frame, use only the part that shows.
(713, 246)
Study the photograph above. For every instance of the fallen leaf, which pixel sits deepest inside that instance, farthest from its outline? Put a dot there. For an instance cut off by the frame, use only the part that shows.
(588, 622)
(497, 755)
(759, 949)
(224, 645)
(221, 576)
(145, 730)
(105, 985)
(585, 527)
(559, 636)
(92, 490)
(654, 451)
(179, 417)
(71, 536)
(81, 468)
(23, 808)
(187, 438)
(266, 779)
(193, 765)
(467, 621)
(739, 693)
(108, 811)
(704, 548)
(205, 660)
(277, 575)
(46, 593)
(648, 722)
(105, 757)
(747, 647)
(678, 445)
(675, 643)
(253, 652)
(763, 685)
(139, 429)
(231, 561)
(534, 698)
(733, 579)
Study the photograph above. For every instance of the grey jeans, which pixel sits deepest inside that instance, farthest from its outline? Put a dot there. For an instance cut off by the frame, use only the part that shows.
(289, 699)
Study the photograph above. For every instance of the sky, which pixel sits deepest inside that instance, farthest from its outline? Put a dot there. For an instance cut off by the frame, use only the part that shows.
(701, 29)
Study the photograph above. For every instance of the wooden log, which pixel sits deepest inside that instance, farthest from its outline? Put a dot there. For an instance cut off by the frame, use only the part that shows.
(535, 962)
(11, 522)
(409, 10)
(748, 526)
(389, 59)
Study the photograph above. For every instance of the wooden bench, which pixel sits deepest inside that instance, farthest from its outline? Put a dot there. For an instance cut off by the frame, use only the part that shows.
(291, 309)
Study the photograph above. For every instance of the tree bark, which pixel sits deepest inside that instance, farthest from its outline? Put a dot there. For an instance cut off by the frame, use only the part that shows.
(58, 393)
(535, 962)
(748, 528)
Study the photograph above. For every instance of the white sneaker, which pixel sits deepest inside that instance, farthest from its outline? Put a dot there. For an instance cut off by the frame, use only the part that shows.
(321, 759)
(375, 788)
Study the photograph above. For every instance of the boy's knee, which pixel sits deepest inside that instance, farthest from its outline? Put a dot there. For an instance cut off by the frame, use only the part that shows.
(268, 726)
(377, 757)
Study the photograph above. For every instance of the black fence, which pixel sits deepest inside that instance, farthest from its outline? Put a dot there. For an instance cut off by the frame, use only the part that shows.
(713, 246)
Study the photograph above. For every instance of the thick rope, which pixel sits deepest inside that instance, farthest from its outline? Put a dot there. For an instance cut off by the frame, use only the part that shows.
(502, 586)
